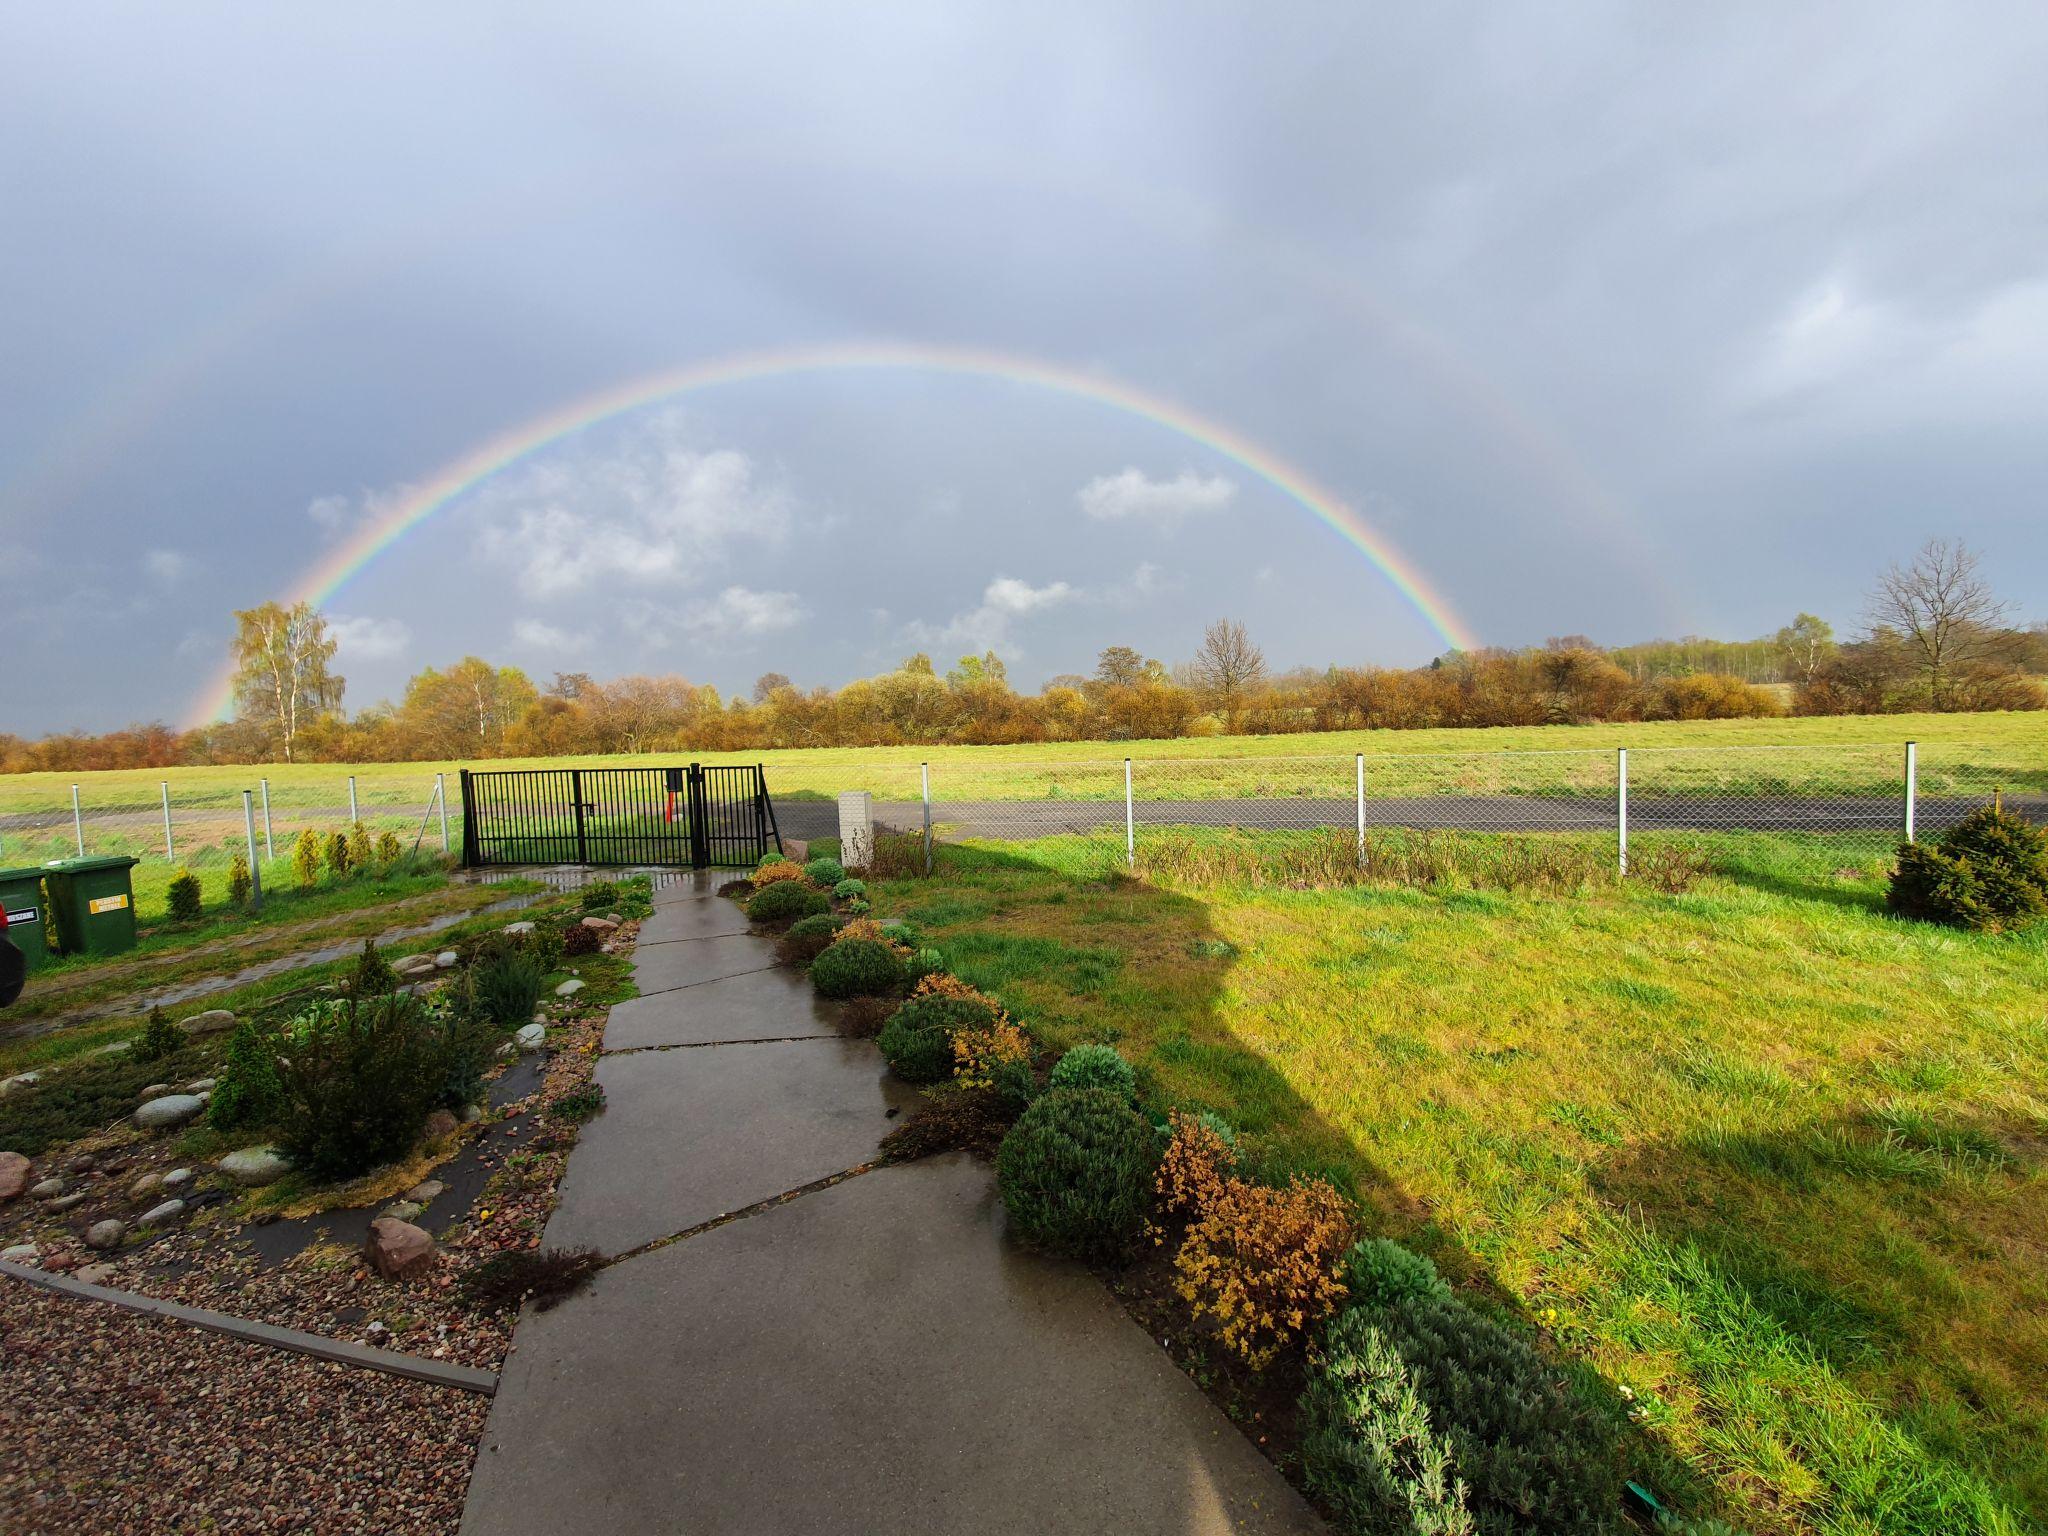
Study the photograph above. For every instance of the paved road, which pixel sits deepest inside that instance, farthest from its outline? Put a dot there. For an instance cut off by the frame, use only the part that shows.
(866, 1355)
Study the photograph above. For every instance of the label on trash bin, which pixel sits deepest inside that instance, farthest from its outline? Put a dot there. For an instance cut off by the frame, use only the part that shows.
(101, 904)
(26, 915)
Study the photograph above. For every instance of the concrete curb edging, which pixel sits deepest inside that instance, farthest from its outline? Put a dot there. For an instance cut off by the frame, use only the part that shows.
(462, 1378)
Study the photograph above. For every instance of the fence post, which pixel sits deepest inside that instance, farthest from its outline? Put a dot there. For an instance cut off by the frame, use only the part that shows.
(1621, 803)
(353, 818)
(77, 822)
(1130, 822)
(441, 797)
(255, 865)
(925, 775)
(1912, 784)
(169, 856)
(1361, 810)
(269, 848)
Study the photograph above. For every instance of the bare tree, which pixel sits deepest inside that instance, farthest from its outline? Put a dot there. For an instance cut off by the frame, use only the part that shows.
(768, 684)
(1229, 666)
(1945, 613)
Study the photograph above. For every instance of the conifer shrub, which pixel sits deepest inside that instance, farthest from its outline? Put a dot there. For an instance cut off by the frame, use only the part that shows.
(849, 889)
(776, 871)
(306, 851)
(1379, 1272)
(600, 896)
(1988, 872)
(1096, 1066)
(857, 967)
(361, 854)
(159, 1038)
(373, 973)
(824, 871)
(337, 853)
(784, 901)
(1075, 1173)
(183, 898)
(505, 984)
(240, 885)
(807, 938)
(248, 1094)
(389, 850)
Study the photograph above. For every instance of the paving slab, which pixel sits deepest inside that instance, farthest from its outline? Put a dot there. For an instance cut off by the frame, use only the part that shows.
(689, 885)
(698, 918)
(761, 1005)
(690, 1135)
(664, 967)
(871, 1357)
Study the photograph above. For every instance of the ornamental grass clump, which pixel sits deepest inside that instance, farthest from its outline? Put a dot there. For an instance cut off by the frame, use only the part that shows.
(1263, 1264)
(784, 901)
(1076, 1171)
(1989, 872)
(505, 985)
(857, 967)
(1096, 1066)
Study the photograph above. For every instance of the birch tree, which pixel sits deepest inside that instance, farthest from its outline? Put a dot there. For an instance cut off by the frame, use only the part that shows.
(282, 677)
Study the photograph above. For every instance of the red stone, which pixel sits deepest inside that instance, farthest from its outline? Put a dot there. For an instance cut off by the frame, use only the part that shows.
(62, 1263)
(14, 1172)
(440, 1123)
(398, 1249)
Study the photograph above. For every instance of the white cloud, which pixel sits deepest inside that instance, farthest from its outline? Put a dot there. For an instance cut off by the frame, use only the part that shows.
(647, 511)
(168, 567)
(361, 639)
(1130, 494)
(539, 636)
(741, 612)
(990, 624)
(338, 516)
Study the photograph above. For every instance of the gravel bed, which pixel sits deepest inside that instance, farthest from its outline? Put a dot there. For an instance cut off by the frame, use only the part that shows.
(118, 1422)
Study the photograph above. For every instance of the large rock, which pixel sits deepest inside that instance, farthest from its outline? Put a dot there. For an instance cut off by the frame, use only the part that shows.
(19, 1081)
(104, 1234)
(202, 1085)
(215, 1021)
(153, 1091)
(94, 1274)
(14, 1172)
(440, 1123)
(402, 1210)
(398, 1250)
(21, 1253)
(411, 966)
(145, 1186)
(447, 960)
(177, 1178)
(531, 1037)
(519, 927)
(172, 1109)
(251, 1166)
(161, 1215)
(569, 988)
(599, 924)
(47, 1189)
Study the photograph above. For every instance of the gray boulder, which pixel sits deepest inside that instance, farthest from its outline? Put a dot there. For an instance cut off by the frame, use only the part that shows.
(215, 1021)
(251, 1166)
(160, 1215)
(104, 1234)
(172, 1109)
(531, 1037)
(569, 988)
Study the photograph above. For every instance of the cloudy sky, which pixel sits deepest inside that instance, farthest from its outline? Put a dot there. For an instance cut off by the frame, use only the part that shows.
(1618, 319)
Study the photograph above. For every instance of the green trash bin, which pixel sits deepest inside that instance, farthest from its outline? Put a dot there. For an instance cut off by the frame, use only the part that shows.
(92, 904)
(21, 894)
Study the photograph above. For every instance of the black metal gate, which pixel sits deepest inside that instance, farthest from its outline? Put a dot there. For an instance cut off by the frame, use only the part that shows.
(696, 817)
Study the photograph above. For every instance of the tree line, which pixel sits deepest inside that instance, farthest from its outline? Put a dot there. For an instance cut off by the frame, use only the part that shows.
(1936, 637)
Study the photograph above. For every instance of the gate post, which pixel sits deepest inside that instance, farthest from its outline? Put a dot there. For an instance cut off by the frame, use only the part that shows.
(700, 830)
(582, 841)
(469, 858)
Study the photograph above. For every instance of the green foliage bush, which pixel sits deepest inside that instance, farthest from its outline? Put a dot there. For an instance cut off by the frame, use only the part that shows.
(600, 896)
(917, 1042)
(248, 1094)
(1096, 1066)
(857, 968)
(1076, 1171)
(1368, 1450)
(808, 938)
(360, 853)
(1013, 1082)
(784, 900)
(83, 1097)
(240, 885)
(159, 1038)
(505, 984)
(848, 889)
(1531, 1455)
(825, 871)
(361, 1076)
(337, 853)
(373, 972)
(1988, 872)
(1379, 1272)
(389, 850)
(184, 898)
(306, 859)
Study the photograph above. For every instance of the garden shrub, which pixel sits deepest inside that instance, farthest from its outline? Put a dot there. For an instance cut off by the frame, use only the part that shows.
(359, 1080)
(600, 896)
(847, 888)
(1988, 872)
(1197, 1160)
(579, 940)
(807, 938)
(1014, 1083)
(785, 900)
(1532, 1455)
(240, 885)
(916, 1051)
(1096, 1066)
(84, 1097)
(306, 859)
(248, 1093)
(1368, 1449)
(856, 967)
(544, 942)
(373, 972)
(824, 871)
(183, 898)
(505, 986)
(337, 853)
(1263, 1263)
(1075, 1173)
(859, 906)
(360, 853)
(389, 850)
(582, 1103)
(547, 1276)
(984, 1051)
(776, 871)
(159, 1038)
(863, 1017)
(1379, 1272)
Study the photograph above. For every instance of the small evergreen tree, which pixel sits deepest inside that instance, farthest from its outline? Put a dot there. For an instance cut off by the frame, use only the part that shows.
(184, 897)
(337, 854)
(239, 883)
(306, 859)
(360, 854)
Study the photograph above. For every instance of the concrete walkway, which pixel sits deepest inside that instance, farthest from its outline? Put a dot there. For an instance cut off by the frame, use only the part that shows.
(871, 1355)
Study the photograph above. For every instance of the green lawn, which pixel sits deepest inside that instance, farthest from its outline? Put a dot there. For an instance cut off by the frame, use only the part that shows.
(1761, 1155)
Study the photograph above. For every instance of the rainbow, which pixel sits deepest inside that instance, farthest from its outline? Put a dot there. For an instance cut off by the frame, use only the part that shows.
(451, 482)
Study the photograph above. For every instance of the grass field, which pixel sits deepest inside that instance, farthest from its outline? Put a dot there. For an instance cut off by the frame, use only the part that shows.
(1768, 1159)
